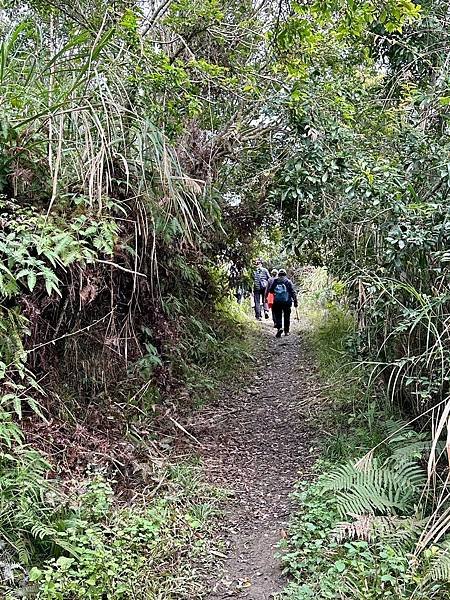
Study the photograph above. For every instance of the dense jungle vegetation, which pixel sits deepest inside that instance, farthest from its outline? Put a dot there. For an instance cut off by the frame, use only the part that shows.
(149, 151)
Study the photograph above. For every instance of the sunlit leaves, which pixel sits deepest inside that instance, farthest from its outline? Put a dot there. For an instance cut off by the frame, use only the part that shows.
(201, 13)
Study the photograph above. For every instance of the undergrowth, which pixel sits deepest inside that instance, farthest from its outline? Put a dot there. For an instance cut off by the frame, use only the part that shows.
(357, 530)
(212, 348)
(96, 549)
(94, 539)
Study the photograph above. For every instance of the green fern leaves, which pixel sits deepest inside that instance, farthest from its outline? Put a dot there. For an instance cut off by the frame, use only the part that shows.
(440, 565)
(383, 488)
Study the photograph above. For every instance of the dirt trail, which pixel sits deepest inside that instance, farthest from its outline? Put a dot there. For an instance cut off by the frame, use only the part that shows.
(259, 440)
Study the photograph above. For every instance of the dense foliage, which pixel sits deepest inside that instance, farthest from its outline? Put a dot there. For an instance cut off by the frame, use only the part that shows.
(115, 119)
(359, 528)
(365, 192)
(148, 151)
(366, 189)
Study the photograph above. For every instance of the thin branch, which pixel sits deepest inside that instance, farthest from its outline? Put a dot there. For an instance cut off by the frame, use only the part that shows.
(71, 334)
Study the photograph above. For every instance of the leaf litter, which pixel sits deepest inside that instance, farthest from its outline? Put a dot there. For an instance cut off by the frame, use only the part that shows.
(260, 438)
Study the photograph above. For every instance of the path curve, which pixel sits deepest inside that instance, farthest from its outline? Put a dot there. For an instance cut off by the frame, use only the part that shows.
(259, 440)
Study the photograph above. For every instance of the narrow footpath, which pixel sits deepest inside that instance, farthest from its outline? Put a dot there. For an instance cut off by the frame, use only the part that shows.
(260, 439)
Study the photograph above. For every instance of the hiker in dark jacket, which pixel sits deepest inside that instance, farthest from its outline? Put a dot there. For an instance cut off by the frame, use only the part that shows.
(284, 296)
(260, 281)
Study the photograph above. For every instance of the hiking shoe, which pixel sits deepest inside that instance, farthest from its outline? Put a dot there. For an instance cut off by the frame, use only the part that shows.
(279, 332)
(286, 333)
(259, 318)
(266, 315)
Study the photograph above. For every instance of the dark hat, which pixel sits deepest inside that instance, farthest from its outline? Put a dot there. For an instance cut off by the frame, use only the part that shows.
(282, 272)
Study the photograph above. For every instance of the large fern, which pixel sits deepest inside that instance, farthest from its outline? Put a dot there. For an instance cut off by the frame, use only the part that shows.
(374, 487)
(29, 507)
(439, 569)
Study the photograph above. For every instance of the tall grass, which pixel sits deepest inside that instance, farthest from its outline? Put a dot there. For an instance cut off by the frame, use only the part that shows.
(72, 111)
(370, 415)
(370, 507)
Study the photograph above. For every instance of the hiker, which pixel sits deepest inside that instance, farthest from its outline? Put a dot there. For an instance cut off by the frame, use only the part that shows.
(270, 296)
(260, 281)
(284, 294)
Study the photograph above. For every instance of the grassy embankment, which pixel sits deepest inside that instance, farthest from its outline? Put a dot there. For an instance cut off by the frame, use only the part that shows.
(85, 539)
(358, 523)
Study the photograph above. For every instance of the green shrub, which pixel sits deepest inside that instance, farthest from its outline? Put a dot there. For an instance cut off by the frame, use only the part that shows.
(323, 564)
(102, 550)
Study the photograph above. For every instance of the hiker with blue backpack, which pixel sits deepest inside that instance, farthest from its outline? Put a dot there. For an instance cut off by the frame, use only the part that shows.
(283, 297)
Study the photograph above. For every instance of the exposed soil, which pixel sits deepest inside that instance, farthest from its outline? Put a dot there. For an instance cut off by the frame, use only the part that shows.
(259, 439)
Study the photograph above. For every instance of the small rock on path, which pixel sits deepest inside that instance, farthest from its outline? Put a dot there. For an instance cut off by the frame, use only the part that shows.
(259, 441)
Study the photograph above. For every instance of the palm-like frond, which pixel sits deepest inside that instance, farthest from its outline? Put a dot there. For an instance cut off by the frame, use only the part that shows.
(387, 488)
(439, 569)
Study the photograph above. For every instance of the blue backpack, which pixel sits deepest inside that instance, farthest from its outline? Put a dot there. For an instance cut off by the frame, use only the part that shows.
(281, 293)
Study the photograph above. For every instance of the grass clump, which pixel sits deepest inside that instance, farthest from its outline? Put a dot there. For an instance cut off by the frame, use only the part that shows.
(359, 416)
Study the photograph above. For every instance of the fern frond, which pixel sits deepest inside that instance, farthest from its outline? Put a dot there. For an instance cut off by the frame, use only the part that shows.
(440, 566)
(42, 531)
(396, 531)
(22, 549)
(387, 488)
(405, 442)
